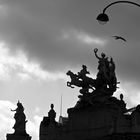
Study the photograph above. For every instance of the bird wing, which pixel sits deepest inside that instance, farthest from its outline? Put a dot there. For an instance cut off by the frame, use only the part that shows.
(119, 37)
(122, 39)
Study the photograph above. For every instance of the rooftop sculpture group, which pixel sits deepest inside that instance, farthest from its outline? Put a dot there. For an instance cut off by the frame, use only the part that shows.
(105, 83)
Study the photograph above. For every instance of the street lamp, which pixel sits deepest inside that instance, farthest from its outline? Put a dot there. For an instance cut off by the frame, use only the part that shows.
(103, 18)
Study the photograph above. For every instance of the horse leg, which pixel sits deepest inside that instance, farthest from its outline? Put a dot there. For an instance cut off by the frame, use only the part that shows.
(69, 85)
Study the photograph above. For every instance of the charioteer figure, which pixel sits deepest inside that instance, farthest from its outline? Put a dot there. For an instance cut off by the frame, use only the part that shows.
(83, 72)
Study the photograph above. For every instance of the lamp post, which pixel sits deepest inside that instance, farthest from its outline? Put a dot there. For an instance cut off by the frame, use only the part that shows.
(103, 17)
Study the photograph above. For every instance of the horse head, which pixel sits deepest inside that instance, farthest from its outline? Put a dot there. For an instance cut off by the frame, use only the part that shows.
(69, 72)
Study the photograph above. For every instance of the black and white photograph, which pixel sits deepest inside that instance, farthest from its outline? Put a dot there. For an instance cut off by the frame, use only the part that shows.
(69, 70)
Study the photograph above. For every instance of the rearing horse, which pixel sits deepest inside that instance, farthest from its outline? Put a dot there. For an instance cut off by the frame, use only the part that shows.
(74, 80)
(85, 82)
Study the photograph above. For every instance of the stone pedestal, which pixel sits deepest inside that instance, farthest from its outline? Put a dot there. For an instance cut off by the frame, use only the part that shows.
(18, 137)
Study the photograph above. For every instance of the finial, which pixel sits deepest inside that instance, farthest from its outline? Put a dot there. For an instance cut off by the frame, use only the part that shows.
(18, 102)
(121, 96)
(52, 106)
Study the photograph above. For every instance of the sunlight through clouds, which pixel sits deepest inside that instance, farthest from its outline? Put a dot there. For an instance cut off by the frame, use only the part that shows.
(33, 127)
(84, 37)
(19, 66)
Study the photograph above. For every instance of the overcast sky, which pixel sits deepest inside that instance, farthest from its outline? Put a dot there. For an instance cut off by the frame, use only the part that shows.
(40, 40)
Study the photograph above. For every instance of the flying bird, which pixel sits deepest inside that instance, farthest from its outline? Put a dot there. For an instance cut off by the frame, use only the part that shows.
(119, 37)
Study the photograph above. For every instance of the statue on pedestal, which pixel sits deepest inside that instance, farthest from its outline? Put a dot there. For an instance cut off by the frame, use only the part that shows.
(20, 125)
(20, 120)
(52, 114)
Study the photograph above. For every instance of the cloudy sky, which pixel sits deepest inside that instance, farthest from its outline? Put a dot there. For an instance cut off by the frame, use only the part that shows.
(40, 40)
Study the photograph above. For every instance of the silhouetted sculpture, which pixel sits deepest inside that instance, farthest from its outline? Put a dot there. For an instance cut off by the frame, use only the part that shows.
(105, 83)
(83, 72)
(106, 76)
(20, 119)
(97, 115)
(112, 76)
(52, 114)
(20, 125)
(85, 80)
(81, 80)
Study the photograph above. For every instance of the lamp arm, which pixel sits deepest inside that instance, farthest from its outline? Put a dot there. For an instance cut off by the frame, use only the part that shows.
(130, 2)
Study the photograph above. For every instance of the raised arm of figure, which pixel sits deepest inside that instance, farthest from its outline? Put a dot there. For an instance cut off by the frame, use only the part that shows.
(13, 110)
(95, 52)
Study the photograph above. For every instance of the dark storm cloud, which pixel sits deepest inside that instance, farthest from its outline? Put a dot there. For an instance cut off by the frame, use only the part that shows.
(37, 28)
